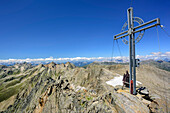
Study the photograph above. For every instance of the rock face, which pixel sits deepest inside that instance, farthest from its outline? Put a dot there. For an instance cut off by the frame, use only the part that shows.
(64, 88)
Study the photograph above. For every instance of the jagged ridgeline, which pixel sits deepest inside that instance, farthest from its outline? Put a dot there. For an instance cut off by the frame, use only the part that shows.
(64, 88)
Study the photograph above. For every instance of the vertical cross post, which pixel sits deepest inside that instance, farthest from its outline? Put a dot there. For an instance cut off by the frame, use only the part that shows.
(132, 59)
(130, 25)
(134, 62)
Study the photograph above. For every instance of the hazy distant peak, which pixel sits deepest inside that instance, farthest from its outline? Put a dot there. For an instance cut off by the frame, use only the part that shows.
(52, 64)
(70, 65)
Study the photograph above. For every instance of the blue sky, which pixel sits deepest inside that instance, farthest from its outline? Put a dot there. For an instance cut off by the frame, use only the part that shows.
(76, 28)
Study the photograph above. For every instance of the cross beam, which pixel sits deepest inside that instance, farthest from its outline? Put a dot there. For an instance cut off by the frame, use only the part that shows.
(122, 34)
(131, 33)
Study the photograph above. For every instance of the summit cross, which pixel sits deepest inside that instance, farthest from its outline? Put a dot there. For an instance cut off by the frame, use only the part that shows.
(132, 41)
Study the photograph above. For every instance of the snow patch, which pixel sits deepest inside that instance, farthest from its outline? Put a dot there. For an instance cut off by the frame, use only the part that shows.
(118, 81)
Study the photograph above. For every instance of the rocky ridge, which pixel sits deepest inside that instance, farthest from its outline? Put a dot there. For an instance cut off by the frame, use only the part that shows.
(65, 88)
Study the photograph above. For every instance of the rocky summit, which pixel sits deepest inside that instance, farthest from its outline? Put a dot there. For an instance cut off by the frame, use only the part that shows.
(65, 88)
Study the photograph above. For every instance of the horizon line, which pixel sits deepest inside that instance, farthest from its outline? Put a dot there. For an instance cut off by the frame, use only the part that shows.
(153, 55)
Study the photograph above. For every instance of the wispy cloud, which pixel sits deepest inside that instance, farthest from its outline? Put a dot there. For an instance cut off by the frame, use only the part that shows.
(153, 55)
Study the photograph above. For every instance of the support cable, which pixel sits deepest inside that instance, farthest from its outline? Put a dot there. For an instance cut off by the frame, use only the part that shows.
(158, 38)
(131, 3)
(165, 31)
(162, 75)
(119, 48)
(120, 52)
(112, 51)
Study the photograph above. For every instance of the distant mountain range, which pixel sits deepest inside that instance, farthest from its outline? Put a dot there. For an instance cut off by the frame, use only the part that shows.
(82, 61)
